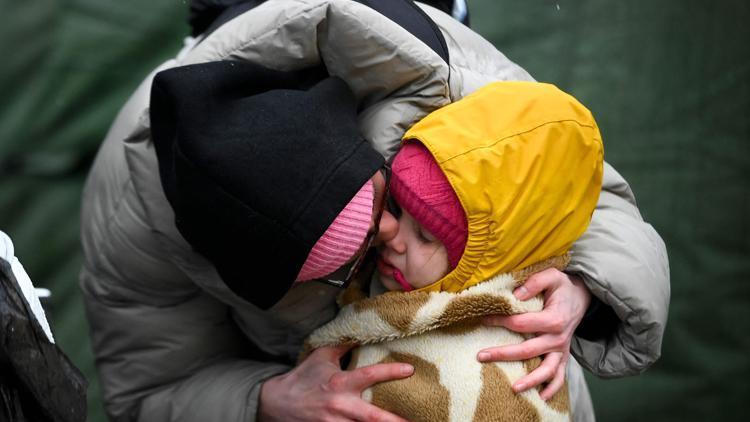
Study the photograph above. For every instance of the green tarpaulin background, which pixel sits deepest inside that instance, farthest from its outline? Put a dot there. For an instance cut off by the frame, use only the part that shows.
(668, 81)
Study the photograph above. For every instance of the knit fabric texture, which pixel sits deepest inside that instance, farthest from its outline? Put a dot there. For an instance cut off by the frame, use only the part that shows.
(421, 188)
(342, 239)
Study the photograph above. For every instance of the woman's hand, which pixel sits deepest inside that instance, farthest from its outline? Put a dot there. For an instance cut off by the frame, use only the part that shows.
(566, 299)
(318, 390)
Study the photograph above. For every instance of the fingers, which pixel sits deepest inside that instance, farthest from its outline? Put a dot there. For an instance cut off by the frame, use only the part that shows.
(546, 371)
(354, 408)
(360, 379)
(347, 387)
(532, 322)
(557, 382)
(538, 283)
(330, 353)
(528, 349)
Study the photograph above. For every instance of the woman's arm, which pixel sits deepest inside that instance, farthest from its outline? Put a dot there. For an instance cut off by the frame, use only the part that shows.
(622, 262)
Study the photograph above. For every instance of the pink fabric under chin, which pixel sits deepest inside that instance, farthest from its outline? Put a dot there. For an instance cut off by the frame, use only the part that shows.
(343, 238)
(400, 279)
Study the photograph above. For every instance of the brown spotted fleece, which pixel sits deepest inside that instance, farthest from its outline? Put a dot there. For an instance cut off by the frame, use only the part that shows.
(440, 333)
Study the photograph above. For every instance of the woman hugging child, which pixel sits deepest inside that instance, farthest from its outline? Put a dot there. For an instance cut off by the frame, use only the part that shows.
(489, 190)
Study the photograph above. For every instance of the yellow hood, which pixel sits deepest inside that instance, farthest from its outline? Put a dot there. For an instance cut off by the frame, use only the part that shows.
(526, 162)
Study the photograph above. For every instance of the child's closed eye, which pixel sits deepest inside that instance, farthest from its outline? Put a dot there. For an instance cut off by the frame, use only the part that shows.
(424, 236)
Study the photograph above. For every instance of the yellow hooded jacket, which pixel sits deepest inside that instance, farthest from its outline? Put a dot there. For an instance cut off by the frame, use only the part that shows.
(525, 160)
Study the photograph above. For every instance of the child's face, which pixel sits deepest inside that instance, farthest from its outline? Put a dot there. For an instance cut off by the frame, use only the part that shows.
(410, 254)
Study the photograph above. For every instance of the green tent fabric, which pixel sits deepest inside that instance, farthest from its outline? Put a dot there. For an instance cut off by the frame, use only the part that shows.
(669, 84)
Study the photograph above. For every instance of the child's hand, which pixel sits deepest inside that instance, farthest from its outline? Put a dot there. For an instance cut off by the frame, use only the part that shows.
(566, 299)
(318, 390)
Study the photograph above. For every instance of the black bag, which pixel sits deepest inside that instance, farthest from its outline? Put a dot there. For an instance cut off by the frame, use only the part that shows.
(37, 381)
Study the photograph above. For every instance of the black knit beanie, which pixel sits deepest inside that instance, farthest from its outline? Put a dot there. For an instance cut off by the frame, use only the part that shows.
(256, 164)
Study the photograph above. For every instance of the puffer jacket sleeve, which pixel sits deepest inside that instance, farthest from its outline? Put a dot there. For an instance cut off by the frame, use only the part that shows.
(165, 348)
(183, 361)
(225, 391)
(623, 261)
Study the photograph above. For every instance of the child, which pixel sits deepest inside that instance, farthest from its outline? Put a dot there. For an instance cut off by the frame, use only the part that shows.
(492, 188)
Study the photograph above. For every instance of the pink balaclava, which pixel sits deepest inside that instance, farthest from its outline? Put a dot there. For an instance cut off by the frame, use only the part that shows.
(342, 239)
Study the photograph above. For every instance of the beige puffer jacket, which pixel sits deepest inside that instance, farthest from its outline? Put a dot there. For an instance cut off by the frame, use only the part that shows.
(172, 342)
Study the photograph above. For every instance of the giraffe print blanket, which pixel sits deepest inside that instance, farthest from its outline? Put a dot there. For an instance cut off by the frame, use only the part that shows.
(440, 335)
